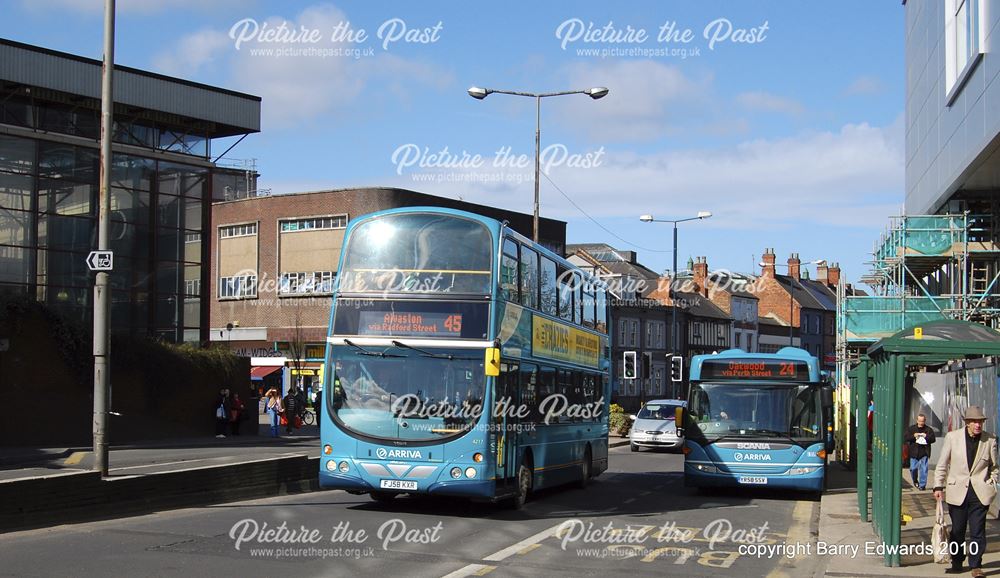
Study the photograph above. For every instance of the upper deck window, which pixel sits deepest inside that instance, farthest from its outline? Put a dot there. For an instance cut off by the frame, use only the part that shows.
(418, 253)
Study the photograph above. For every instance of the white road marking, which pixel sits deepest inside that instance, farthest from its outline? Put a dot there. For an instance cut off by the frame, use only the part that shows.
(511, 550)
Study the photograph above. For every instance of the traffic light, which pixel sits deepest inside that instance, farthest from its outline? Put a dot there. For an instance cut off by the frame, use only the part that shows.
(647, 364)
(628, 365)
(677, 368)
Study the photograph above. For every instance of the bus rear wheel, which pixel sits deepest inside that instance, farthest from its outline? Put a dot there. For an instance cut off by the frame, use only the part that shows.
(383, 497)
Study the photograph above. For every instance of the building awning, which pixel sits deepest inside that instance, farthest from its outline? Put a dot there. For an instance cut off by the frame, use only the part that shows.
(259, 373)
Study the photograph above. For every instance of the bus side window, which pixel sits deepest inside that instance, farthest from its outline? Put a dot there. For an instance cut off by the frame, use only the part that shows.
(508, 271)
(588, 308)
(529, 278)
(565, 295)
(546, 389)
(548, 286)
(602, 310)
(529, 391)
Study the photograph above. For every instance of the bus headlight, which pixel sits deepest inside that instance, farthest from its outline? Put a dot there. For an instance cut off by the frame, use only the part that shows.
(456, 473)
(470, 472)
(343, 467)
(331, 466)
(800, 471)
(706, 469)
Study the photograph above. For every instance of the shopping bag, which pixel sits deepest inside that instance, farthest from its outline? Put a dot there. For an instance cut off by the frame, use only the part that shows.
(298, 422)
(283, 420)
(939, 537)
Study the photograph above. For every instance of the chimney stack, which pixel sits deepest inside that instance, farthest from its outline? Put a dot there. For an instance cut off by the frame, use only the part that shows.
(700, 275)
(768, 260)
(793, 266)
(822, 273)
(833, 277)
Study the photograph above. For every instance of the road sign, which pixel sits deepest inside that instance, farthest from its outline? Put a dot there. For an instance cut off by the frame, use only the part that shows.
(918, 332)
(101, 260)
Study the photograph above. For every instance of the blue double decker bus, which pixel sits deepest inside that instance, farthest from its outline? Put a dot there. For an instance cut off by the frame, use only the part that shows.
(462, 360)
(758, 420)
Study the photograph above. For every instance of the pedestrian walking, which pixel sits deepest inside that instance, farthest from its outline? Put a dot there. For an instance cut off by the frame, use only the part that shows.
(274, 409)
(968, 469)
(236, 410)
(222, 407)
(918, 439)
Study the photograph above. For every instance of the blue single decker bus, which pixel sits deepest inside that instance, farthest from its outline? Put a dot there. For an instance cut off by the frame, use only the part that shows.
(462, 360)
(757, 420)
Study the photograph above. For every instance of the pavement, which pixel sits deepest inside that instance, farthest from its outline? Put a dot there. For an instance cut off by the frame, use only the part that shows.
(841, 530)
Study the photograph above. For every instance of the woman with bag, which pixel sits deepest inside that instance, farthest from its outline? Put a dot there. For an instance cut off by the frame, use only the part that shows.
(274, 409)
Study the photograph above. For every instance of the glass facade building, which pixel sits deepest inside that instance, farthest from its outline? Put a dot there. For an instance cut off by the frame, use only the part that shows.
(162, 185)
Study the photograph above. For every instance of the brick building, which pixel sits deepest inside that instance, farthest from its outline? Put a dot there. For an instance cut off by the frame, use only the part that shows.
(808, 306)
(731, 293)
(275, 264)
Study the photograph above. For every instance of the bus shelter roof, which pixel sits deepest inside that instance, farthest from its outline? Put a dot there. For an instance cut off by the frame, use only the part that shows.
(949, 338)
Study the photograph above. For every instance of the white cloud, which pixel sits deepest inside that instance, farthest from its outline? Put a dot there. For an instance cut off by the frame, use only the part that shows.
(766, 102)
(852, 177)
(643, 102)
(299, 82)
(192, 53)
(865, 85)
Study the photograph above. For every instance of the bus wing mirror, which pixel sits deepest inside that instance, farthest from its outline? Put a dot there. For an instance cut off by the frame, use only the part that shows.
(493, 361)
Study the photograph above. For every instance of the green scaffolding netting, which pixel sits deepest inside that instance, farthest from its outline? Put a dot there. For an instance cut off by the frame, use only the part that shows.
(933, 235)
(877, 317)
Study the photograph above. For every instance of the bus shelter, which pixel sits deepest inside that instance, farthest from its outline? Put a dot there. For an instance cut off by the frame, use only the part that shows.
(883, 370)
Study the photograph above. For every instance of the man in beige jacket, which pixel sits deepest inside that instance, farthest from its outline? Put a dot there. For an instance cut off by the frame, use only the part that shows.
(967, 467)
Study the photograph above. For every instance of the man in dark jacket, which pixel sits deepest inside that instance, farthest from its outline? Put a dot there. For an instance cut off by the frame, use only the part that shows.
(292, 409)
(918, 439)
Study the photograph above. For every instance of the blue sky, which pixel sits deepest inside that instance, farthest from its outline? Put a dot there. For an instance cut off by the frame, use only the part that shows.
(793, 141)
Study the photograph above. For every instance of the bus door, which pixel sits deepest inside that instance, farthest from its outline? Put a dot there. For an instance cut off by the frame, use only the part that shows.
(505, 420)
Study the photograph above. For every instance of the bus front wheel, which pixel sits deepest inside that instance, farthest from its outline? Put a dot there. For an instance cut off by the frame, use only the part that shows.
(524, 483)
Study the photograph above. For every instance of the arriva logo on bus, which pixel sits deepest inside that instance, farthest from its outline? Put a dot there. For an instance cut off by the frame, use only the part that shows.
(383, 453)
(741, 457)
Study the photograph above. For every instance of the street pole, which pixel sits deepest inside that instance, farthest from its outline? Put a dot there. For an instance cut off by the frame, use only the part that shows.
(674, 337)
(538, 140)
(101, 298)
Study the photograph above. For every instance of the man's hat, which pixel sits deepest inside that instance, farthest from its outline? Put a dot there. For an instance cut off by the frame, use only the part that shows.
(974, 412)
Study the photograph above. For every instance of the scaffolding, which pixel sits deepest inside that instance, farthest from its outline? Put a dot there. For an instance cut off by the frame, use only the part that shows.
(924, 268)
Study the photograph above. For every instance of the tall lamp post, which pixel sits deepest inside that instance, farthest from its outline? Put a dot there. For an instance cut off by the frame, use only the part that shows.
(481, 93)
(791, 299)
(673, 309)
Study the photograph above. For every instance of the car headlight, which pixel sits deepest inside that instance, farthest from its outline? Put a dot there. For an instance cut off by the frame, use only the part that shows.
(706, 469)
(800, 471)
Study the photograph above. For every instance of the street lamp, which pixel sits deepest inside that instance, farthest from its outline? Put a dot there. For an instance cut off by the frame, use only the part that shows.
(481, 93)
(791, 298)
(673, 309)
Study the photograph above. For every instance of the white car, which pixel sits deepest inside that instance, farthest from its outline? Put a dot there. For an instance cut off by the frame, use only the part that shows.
(654, 427)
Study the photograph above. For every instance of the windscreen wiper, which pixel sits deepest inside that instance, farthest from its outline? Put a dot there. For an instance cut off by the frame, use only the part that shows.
(363, 351)
(425, 353)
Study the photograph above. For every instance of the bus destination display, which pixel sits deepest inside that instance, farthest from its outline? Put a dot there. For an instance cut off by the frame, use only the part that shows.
(406, 324)
(774, 369)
